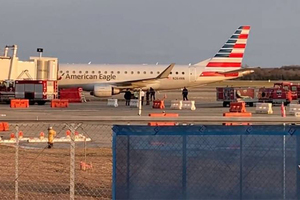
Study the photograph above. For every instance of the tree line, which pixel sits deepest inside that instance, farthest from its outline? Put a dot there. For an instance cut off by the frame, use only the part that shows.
(291, 72)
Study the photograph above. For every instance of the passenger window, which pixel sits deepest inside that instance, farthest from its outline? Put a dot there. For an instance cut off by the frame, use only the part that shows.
(86, 72)
(67, 72)
(125, 72)
(131, 72)
(93, 72)
(182, 72)
(144, 72)
(99, 72)
(80, 72)
(61, 72)
(118, 72)
(151, 72)
(176, 72)
(157, 72)
(105, 72)
(74, 72)
(112, 72)
(138, 72)
(170, 72)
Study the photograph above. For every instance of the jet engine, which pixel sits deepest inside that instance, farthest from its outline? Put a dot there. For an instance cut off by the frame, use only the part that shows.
(104, 90)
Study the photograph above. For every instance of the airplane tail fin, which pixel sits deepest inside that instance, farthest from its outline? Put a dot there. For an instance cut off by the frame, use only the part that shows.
(230, 56)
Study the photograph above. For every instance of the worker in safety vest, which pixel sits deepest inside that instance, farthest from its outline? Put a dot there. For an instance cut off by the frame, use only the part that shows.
(51, 135)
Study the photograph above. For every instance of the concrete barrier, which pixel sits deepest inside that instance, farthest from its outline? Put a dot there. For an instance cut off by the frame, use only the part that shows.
(188, 105)
(112, 102)
(293, 108)
(134, 103)
(264, 108)
(176, 105)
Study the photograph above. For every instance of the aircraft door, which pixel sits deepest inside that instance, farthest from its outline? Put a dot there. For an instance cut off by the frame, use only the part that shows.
(192, 74)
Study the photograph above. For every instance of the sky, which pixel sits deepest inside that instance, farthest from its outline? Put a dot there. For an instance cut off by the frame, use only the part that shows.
(151, 31)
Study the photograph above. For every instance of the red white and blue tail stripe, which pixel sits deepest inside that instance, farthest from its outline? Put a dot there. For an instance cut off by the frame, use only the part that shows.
(230, 56)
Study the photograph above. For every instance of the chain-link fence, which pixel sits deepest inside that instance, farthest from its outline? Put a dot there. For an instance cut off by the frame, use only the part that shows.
(206, 162)
(79, 165)
(191, 162)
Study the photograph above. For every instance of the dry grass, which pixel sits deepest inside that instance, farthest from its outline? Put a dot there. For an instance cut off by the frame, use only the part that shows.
(45, 173)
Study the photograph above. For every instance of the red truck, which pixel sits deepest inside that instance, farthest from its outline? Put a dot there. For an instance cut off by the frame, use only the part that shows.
(281, 92)
(275, 95)
(288, 86)
(7, 91)
(233, 94)
(37, 91)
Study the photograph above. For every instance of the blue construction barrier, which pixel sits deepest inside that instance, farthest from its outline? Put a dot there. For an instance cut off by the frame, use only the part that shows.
(206, 162)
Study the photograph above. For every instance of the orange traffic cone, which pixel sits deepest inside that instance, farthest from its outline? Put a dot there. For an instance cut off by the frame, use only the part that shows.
(20, 134)
(68, 133)
(12, 136)
(282, 110)
(42, 135)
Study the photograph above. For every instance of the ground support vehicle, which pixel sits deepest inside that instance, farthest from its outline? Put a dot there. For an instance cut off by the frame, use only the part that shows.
(36, 91)
(275, 95)
(7, 91)
(234, 94)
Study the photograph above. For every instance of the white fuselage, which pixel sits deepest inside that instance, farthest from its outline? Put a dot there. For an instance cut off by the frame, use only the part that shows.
(87, 76)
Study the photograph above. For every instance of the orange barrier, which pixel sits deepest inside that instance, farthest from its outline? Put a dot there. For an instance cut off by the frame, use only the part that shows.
(162, 115)
(236, 114)
(159, 104)
(237, 124)
(19, 103)
(4, 126)
(59, 103)
(161, 124)
(237, 107)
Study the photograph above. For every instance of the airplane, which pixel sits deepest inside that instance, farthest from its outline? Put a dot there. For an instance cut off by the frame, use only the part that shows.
(109, 80)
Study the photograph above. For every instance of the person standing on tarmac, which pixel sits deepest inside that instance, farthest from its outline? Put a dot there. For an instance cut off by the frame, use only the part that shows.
(185, 94)
(142, 96)
(51, 135)
(127, 97)
(136, 94)
(147, 97)
(152, 94)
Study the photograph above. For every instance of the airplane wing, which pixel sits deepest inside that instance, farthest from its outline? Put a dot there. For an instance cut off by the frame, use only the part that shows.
(144, 82)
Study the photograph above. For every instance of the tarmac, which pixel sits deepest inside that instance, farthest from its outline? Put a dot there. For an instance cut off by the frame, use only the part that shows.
(98, 118)
(96, 109)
